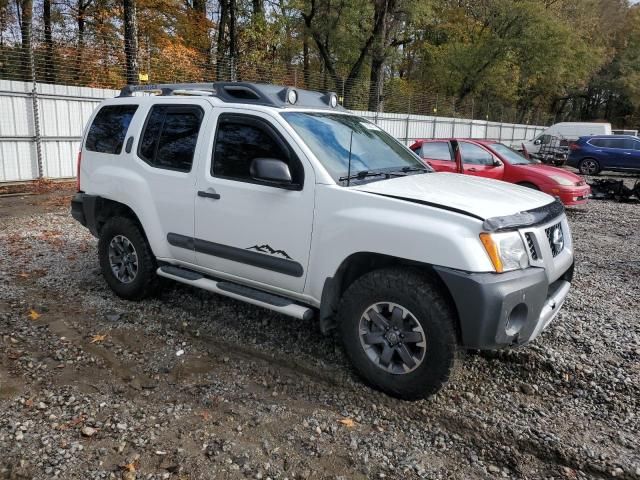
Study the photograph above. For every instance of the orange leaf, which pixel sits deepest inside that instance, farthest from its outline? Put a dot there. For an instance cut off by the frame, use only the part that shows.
(33, 315)
(347, 422)
(98, 338)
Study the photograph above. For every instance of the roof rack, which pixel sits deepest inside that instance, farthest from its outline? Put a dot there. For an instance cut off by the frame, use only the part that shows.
(244, 92)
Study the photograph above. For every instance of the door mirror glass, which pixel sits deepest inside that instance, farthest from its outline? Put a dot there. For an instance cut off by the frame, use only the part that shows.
(271, 170)
(497, 163)
(537, 142)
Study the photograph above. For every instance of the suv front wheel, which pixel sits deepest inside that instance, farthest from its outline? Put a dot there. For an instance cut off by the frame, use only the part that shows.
(399, 333)
(126, 260)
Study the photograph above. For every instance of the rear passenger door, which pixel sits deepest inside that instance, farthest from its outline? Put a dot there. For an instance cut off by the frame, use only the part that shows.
(167, 153)
(438, 154)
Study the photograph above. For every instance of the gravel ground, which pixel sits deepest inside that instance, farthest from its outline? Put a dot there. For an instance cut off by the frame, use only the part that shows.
(190, 385)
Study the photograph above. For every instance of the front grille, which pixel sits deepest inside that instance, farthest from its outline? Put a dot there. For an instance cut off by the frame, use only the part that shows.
(531, 246)
(556, 238)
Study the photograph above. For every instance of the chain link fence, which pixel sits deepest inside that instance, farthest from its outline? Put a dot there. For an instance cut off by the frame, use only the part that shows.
(49, 88)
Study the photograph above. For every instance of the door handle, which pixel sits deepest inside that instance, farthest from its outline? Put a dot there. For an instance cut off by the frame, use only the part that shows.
(472, 170)
(127, 148)
(214, 195)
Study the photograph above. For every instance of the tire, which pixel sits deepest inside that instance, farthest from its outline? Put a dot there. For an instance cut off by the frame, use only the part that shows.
(529, 185)
(424, 311)
(589, 166)
(121, 234)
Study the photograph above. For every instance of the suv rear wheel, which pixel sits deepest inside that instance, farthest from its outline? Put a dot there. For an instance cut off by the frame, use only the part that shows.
(126, 260)
(399, 333)
(589, 166)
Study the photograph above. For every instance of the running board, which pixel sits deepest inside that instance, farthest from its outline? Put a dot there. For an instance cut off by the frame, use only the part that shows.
(239, 292)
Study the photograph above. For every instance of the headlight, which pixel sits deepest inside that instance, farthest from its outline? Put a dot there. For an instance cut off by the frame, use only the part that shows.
(563, 181)
(506, 250)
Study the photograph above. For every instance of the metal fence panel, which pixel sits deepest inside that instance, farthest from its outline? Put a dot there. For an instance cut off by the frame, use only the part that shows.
(64, 110)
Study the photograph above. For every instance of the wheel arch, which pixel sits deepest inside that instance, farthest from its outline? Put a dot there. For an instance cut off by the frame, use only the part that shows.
(360, 263)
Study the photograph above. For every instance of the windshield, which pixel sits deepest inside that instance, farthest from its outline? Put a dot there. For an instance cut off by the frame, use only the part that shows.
(511, 156)
(329, 135)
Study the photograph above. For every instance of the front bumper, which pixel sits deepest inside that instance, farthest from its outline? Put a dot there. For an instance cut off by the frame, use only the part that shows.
(507, 309)
(575, 195)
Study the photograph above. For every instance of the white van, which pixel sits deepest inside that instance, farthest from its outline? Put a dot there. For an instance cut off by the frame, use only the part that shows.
(564, 132)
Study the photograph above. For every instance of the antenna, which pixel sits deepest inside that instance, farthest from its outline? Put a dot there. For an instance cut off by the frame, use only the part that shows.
(349, 167)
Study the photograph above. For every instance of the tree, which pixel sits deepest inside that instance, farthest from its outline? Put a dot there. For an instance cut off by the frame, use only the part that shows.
(130, 21)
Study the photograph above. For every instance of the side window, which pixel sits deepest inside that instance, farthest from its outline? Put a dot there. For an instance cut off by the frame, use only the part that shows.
(240, 139)
(544, 139)
(170, 137)
(436, 151)
(475, 155)
(636, 145)
(596, 142)
(109, 128)
(618, 143)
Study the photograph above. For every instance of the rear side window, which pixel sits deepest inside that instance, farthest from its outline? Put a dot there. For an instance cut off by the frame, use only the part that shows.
(436, 151)
(109, 129)
(170, 137)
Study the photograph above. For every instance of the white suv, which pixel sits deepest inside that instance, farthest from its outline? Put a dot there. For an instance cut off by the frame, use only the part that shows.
(280, 198)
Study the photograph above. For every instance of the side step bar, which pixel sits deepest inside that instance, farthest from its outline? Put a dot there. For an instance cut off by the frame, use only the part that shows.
(239, 292)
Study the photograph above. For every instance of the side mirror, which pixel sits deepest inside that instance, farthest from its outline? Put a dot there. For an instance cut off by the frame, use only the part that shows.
(496, 163)
(270, 170)
(537, 142)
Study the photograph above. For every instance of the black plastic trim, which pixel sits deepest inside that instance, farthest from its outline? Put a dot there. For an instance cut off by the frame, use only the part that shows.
(258, 295)
(240, 255)
(528, 218)
(84, 209)
(181, 272)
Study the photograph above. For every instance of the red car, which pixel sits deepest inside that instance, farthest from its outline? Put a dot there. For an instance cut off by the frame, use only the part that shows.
(491, 159)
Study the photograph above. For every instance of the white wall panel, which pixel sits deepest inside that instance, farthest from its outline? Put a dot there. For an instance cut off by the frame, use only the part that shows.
(64, 111)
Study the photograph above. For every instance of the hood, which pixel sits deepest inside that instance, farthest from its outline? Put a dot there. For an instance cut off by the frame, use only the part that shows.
(480, 197)
(547, 170)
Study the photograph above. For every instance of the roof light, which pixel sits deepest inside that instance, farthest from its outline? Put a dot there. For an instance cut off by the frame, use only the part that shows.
(333, 101)
(292, 96)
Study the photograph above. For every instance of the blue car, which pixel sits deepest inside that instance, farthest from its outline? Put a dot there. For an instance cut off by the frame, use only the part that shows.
(594, 154)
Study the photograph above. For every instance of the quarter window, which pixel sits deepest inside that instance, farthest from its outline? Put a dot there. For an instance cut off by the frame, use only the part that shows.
(436, 151)
(240, 139)
(170, 137)
(109, 128)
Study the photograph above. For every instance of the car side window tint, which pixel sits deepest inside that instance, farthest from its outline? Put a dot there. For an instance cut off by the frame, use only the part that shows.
(109, 128)
(636, 145)
(436, 151)
(475, 155)
(544, 139)
(596, 142)
(240, 139)
(170, 137)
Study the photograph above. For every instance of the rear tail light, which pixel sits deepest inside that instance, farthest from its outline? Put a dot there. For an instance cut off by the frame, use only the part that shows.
(78, 171)
(574, 146)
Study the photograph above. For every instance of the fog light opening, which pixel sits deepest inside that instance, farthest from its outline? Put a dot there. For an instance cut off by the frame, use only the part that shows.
(517, 319)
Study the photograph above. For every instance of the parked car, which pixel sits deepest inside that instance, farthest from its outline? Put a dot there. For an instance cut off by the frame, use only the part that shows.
(617, 153)
(564, 133)
(491, 159)
(280, 198)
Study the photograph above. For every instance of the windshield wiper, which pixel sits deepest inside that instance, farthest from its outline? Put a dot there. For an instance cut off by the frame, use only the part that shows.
(414, 169)
(361, 175)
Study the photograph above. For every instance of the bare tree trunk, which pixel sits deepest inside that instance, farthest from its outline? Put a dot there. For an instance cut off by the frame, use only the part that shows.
(221, 46)
(49, 67)
(305, 60)
(233, 41)
(258, 10)
(26, 21)
(131, 41)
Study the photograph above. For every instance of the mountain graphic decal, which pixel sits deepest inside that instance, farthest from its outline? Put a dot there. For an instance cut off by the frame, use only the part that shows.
(267, 249)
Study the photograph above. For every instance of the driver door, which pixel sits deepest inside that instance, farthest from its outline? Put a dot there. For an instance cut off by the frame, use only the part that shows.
(478, 161)
(246, 228)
